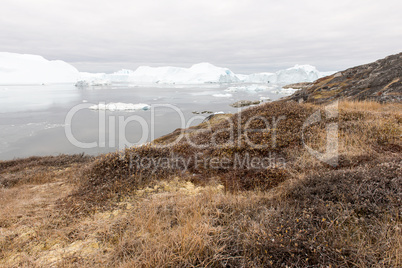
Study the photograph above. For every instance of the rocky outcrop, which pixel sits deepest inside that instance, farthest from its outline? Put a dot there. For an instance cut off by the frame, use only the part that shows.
(302, 85)
(244, 103)
(380, 81)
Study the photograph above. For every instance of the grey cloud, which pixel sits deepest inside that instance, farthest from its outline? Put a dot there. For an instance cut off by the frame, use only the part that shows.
(246, 36)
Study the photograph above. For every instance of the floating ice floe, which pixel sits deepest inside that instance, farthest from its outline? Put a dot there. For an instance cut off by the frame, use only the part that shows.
(119, 106)
(265, 99)
(94, 83)
(286, 91)
(295, 74)
(202, 73)
(227, 95)
(248, 88)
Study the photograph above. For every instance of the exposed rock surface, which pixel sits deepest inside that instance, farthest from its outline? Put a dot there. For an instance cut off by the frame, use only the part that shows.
(379, 81)
(244, 103)
(302, 85)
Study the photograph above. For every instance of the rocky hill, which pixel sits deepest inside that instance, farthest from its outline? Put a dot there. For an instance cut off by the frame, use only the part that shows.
(380, 81)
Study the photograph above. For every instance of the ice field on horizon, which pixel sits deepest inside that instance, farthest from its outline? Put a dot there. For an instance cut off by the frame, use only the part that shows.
(25, 69)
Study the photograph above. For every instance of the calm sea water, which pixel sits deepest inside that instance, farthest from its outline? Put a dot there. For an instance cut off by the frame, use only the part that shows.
(33, 118)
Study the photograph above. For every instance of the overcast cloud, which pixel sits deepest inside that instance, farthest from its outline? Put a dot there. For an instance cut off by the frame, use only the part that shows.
(244, 35)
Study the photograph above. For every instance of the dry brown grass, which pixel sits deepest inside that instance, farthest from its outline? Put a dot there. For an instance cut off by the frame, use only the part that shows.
(81, 212)
(362, 105)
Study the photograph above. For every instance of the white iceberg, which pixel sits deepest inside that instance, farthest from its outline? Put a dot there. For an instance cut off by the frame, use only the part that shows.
(266, 99)
(256, 88)
(93, 79)
(201, 73)
(119, 106)
(286, 91)
(227, 95)
(296, 74)
(122, 76)
(249, 88)
(259, 78)
(93, 82)
(32, 69)
(103, 79)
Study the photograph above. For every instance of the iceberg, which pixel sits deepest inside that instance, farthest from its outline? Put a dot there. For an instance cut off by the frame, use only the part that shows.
(257, 88)
(296, 74)
(121, 76)
(248, 88)
(32, 69)
(93, 82)
(119, 106)
(201, 73)
(227, 95)
(103, 79)
(259, 78)
(286, 91)
(93, 79)
(266, 99)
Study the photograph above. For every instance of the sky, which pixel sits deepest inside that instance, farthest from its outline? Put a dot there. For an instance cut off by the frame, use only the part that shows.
(246, 36)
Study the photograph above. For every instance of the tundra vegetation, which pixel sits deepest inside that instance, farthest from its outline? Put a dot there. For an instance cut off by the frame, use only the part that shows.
(252, 197)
